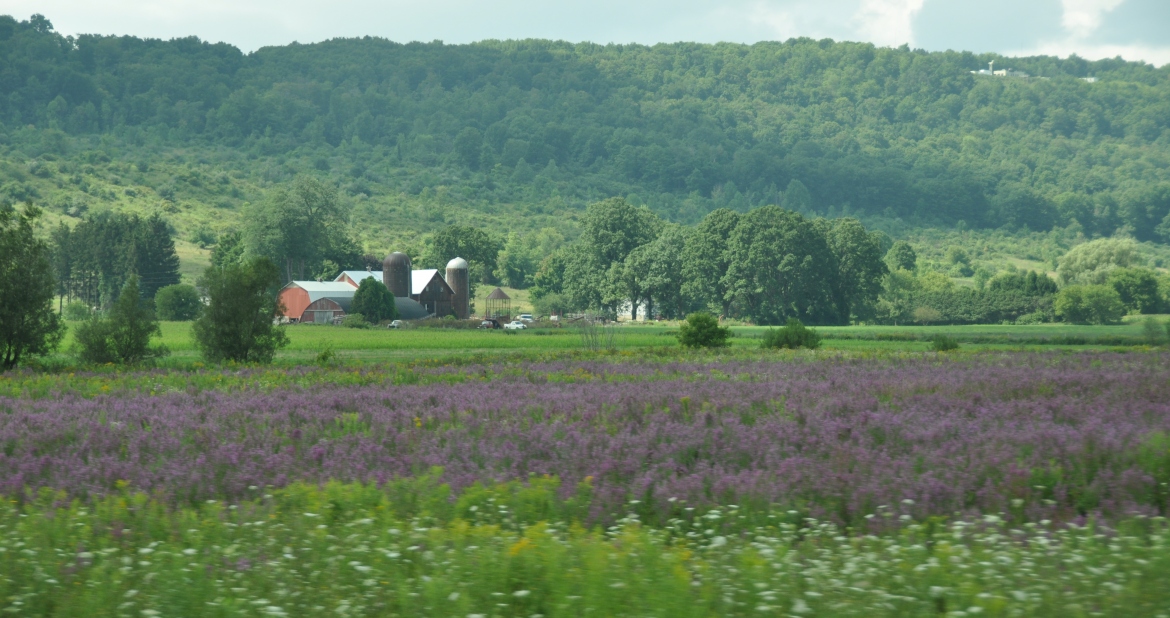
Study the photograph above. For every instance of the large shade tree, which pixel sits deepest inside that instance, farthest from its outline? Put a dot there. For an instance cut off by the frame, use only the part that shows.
(303, 228)
(781, 267)
(705, 259)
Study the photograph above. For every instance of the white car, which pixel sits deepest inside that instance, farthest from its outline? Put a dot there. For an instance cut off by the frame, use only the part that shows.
(515, 325)
(525, 317)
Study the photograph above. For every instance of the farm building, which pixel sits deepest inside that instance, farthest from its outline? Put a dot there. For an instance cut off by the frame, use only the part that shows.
(316, 301)
(417, 293)
(427, 288)
(441, 296)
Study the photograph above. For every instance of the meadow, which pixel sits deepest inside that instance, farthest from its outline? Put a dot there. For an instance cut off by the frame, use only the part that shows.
(629, 483)
(307, 341)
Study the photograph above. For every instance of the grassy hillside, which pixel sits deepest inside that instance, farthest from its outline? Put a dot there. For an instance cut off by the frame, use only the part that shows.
(520, 135)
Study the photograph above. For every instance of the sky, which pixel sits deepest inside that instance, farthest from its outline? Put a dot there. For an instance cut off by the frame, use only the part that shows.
(1093, 29)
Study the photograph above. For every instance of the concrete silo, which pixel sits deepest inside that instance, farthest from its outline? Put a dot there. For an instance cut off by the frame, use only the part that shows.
(457, 278)
(396, 274)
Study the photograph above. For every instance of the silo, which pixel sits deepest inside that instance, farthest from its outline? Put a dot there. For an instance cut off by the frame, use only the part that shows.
(457, 278)
(396, 274)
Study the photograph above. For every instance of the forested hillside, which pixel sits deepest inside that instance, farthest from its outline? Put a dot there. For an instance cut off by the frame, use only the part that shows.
(518, 134)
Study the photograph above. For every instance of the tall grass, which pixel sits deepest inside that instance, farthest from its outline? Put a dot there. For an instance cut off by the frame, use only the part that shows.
(356, 550)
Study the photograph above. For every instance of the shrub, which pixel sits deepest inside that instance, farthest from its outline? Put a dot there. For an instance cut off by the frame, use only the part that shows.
(124, 335)
(1089, 304)
(1153, 332)
(702, 330)
(927, 315)
(793, 335)
(551, 304)
(354, 320)
(943, 343)
(77, 311)
(177, 303)
(1036, 317)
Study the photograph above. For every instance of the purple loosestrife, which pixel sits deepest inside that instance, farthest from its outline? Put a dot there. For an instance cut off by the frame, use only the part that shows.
(1031, 436)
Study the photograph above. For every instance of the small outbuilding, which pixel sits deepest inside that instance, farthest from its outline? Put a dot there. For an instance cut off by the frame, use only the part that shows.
(498, 305)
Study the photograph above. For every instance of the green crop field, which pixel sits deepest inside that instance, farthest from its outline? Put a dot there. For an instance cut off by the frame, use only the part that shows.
(306, 341)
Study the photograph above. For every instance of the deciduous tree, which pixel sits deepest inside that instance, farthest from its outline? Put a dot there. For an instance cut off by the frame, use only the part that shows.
(28, 325)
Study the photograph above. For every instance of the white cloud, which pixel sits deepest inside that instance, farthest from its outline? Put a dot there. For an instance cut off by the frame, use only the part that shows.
(1082, 17)
(250, 24)
(887, 22)
(1157, 56)
(1080, 20)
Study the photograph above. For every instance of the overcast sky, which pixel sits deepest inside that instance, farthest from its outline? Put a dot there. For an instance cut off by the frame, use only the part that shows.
(1133, 29)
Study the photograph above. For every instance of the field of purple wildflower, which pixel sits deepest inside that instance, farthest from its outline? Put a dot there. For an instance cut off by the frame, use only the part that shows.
(1017, 484)
(1064, 437)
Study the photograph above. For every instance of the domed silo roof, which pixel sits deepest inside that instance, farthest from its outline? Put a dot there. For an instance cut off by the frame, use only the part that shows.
(457, 263)
(396, 259)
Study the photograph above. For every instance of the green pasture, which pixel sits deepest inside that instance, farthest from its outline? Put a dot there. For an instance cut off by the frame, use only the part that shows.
(373, 344)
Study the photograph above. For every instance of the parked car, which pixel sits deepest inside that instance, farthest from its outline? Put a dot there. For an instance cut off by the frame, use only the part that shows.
(489, 323)
(515, 325)
(395, 324)
(525, 317)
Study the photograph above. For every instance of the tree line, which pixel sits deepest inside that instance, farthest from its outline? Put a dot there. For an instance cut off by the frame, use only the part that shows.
(93, 260)
(767, 265)
(686, 128)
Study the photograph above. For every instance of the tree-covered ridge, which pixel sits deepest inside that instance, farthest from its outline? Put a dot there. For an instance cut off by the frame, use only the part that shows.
(686, 127)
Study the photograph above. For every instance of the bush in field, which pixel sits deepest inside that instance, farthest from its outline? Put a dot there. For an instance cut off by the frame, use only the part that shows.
(374, 301)
(793, 335)
(123, 336)
(943, 343)
(702, 330)
(551, 303)
(1153, 332)
(355, 320)
(238, 323)
(177, 303)
(927, 315)
(1089, 304)
(77, 311)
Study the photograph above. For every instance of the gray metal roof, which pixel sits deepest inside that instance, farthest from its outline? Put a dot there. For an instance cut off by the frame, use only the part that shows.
(359, 275)
(339, 292)
(409, 309)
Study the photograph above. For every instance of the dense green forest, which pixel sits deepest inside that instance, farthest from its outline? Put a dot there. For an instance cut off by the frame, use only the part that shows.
(502, 128)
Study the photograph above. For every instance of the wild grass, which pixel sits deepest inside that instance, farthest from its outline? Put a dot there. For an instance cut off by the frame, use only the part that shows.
(357, 550)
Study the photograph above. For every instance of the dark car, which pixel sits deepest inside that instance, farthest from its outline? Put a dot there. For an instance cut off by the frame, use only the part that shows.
(490, 323)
